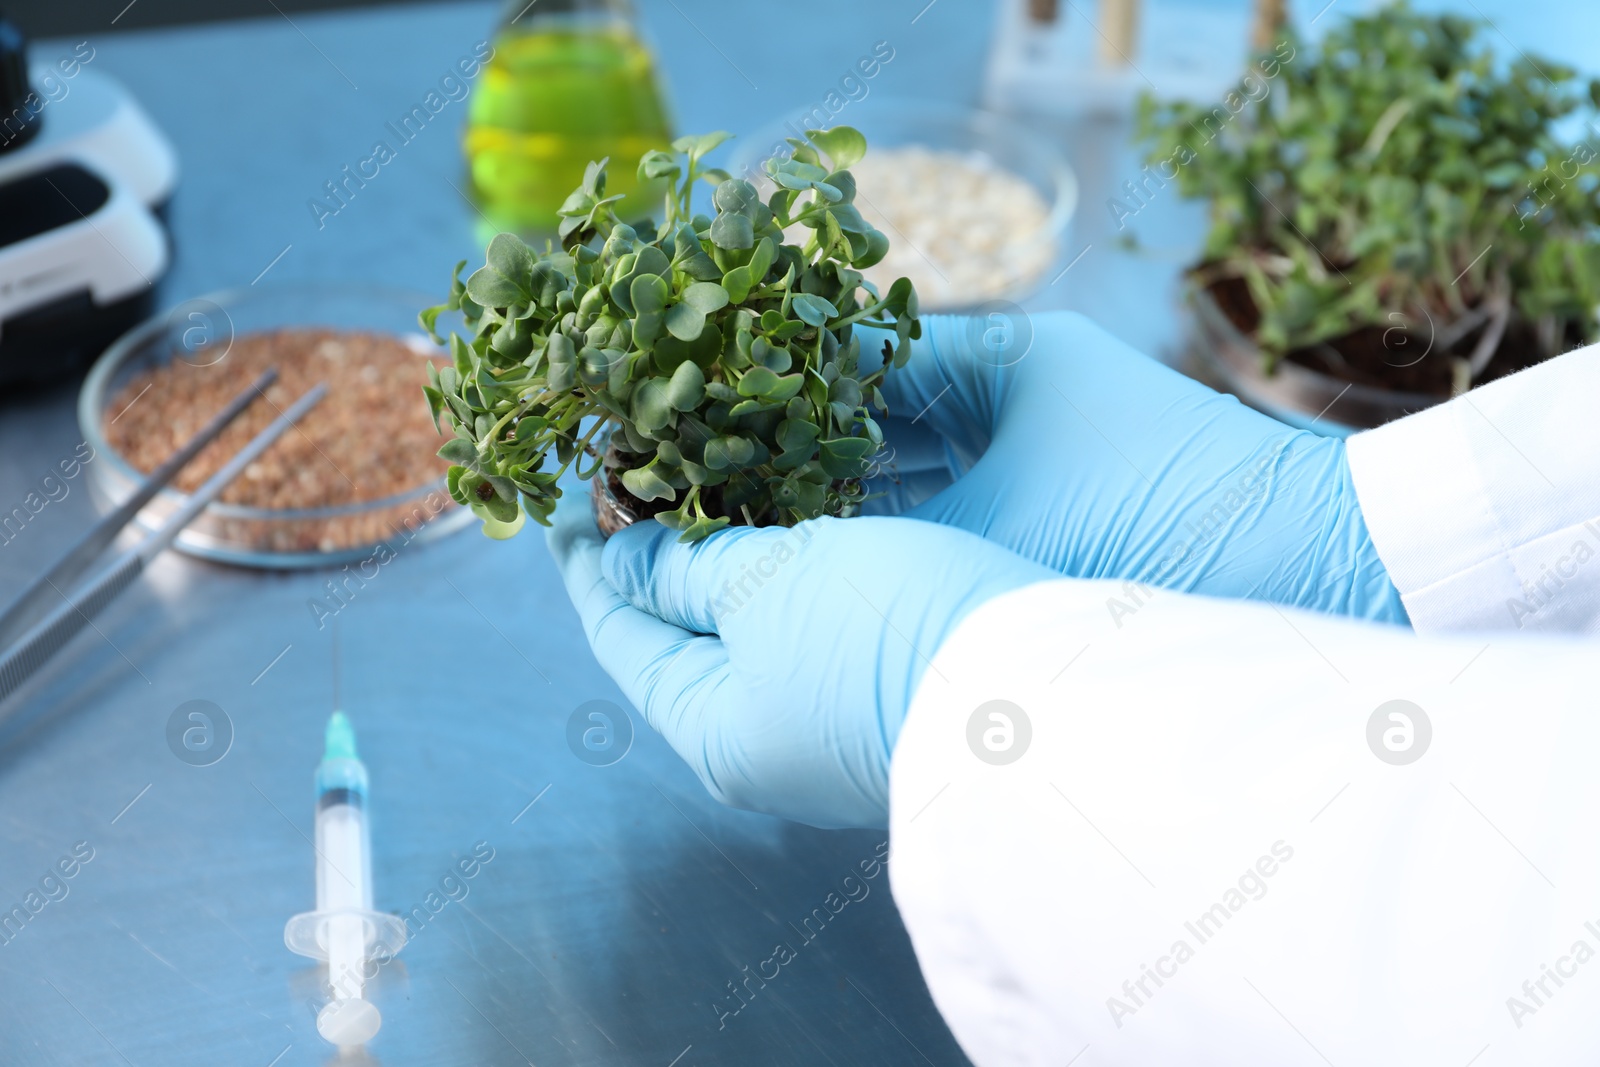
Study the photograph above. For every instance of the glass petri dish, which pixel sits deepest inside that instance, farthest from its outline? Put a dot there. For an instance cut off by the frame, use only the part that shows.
(200, 331)
(1012, 271)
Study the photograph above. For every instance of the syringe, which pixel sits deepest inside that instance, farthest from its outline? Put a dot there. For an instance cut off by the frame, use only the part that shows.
(344, 930)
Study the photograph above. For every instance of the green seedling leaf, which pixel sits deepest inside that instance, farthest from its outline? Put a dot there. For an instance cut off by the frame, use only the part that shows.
(685, 322)
(757, 381)
(848, 218)
(452, 484)
(549, 287)
(496, 530)
(680, 519)
(706, 297)
(737, 197)
(732, 232)
(689, 257)
(845, 182)
(510, 258)
(697, 474)
(461, 365)
(775, 358)
(649, 292)
(651, 260)
(651, 406)
(806, 498)
(428, 319)
(736, 284)
(844, 145)
(594, 365)
(727, 452)
(761, 260)
(846, 391)
(901, 300)
(795, 434)
(700, 144)
(494, 290)
(647, 327)
(801, 169)
(701, 529)
(435, 404)
(845, 457)
(753, 405)
(787, 386)
(459, 450)
(504, 488)
(646, 484)
(560, 351)
(687, 387)
(813, 310)
(656, 165)
(875, 247)
(484, 500)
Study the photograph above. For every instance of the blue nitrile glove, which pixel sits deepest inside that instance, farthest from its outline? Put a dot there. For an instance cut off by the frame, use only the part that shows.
(1098, 462)
(818, 637)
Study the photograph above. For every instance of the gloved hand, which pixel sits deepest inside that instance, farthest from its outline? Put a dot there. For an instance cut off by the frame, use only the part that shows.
(779, 663)
(1074, 450)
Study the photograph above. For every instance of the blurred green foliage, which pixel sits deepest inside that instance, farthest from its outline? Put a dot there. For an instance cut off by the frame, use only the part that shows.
(1403, 173)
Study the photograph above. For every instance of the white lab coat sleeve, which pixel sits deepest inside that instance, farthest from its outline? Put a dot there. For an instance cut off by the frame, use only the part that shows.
(1210, 851)
(1486, 509)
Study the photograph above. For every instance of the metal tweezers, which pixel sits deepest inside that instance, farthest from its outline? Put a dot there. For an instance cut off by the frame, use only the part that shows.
(31, 631)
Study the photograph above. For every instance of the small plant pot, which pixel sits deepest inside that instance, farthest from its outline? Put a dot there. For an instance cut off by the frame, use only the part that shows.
(610, 512)
(615, 508)
(1292, 393)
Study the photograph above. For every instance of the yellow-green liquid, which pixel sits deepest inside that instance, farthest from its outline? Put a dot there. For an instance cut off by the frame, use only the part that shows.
(551, 100)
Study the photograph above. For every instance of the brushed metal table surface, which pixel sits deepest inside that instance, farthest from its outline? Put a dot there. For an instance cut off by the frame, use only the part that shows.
(622, 904)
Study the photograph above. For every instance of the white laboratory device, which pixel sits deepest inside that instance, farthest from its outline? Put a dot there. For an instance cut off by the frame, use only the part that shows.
(84, 178)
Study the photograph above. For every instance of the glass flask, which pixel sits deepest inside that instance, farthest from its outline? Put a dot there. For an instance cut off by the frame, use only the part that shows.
(569, 81)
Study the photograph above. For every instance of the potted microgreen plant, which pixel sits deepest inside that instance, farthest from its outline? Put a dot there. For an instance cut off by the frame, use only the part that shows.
(703, 373)
(1392, 221)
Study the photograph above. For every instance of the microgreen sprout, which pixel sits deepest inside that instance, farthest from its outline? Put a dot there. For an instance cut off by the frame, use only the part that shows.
(721, 363)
